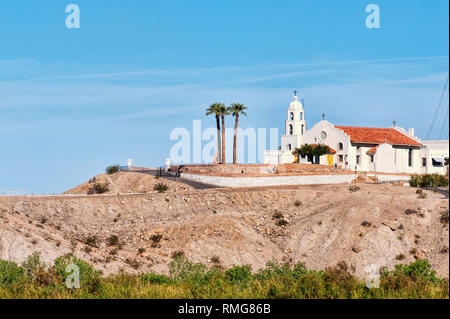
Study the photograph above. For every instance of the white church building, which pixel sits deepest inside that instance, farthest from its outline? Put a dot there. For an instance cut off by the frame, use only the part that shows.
(371, 149)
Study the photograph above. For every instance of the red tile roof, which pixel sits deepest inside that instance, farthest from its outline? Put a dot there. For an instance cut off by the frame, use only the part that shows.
(377, 135)
(373, 150)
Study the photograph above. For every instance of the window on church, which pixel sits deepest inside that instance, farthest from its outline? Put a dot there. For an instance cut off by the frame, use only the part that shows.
(410, 157)
(291, 116)
(341, 158)
(289, 147)
(358, 157)
(301, 116)
(371, 158)
(424, 161)
(302, 128)
(291, 130)
(341, 146)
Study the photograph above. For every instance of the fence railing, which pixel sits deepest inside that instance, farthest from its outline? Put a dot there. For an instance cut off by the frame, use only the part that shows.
(13, 191)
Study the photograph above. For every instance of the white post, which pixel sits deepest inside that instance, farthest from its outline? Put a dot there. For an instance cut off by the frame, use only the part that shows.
(130, 163)
(167, 163)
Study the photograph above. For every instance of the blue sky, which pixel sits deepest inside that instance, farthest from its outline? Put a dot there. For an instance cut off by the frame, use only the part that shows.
(73, 101)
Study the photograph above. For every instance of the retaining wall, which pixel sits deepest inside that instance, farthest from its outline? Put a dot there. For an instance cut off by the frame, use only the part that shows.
(269, 180)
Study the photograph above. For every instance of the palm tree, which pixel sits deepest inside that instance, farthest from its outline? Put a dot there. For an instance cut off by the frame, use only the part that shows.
(236, 109)
(215, 109)
(223, 111)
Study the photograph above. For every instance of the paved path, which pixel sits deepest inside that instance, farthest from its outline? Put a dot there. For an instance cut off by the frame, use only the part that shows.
(194, 184)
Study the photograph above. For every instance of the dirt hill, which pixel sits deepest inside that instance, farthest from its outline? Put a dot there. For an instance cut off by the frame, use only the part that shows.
(128, 182)
(322, 225)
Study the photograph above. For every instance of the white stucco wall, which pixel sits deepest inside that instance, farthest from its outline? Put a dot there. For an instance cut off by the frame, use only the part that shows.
(270, 180)
(271, 157)
(390, 178)
(435, 148)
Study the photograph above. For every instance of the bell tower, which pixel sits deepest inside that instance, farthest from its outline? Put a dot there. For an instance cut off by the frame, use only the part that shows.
(295, 125)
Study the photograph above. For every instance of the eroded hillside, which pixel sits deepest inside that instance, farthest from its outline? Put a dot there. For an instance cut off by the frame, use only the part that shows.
(318, 225)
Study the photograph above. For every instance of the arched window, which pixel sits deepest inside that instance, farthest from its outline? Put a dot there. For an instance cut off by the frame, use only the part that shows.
(301, 116)
(291, 130)
(289, 147)
(291, 116)
(341, 146)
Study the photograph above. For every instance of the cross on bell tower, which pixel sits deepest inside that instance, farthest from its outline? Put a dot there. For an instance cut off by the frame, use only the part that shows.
(295, 92)
(323, 116)
(395, 123)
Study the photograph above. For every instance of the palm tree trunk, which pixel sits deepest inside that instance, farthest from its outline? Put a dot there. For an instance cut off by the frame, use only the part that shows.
(223, 139)
(235, 138)
(219, 150)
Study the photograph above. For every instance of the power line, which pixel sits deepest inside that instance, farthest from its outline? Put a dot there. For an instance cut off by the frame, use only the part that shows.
(433, 122)
(441, 135)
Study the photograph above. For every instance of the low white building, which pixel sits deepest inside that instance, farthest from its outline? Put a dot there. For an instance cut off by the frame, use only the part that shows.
(434, 156)
(371, 149)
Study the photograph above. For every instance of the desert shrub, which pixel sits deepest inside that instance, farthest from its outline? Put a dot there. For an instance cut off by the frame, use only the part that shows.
(444, 217)
(33, 263)
(422, 195)
(410, 211)
(297, 203)
(161, 188)
(239, 274)
(366, 224)
(415, 180)
(11, 273)
(400, 257)
(155, 279)
(182, 269)
(177, 254)
(91, 240)
(215, 259)
(419, 191)
(112, 169)
(353, 188)
(338, 282)
(89, 277)
(277, 214)
(282, 222)
(141, 250)
(113, 240)
(100, 188)
(156, 238)
(133, 263)
(274, 270)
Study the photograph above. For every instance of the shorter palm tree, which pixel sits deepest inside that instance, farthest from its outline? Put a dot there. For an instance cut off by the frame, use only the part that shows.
(223, 111)
(236, 109)
(215, 109)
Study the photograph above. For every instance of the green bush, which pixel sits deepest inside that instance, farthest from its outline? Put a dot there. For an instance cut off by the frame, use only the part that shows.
(89, 277)
(421, 268)
(425, 180)
(33, 263)
(155, 278)
(189, 280)
(112, 169)
(239, 274)
(182, 269)
(11, 273)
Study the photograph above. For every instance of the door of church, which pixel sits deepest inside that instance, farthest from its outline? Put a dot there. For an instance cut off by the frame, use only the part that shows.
(330, 160)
